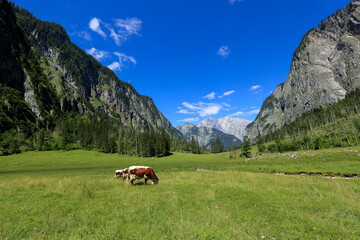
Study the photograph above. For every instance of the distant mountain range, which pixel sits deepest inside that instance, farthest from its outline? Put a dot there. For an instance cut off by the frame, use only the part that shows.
(206, 135)
(230, 131)
(233, 126)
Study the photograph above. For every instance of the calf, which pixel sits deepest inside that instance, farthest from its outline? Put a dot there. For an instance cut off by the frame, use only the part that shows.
(138, 172)
(122, 173)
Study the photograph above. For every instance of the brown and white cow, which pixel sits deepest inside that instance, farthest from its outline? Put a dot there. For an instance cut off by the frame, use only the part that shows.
(122, 173)
(138, 172)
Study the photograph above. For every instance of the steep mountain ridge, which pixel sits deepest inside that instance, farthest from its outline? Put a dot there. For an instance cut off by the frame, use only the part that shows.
(206, 135)
(233, 126)
(324, 68)
(75, 81)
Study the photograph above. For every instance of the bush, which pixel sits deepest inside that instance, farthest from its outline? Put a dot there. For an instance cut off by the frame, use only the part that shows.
(273, 148)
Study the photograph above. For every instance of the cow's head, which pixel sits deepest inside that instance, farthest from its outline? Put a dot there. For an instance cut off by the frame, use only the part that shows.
(155, 180)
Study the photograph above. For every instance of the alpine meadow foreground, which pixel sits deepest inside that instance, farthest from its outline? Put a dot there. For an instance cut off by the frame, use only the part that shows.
(72, 195)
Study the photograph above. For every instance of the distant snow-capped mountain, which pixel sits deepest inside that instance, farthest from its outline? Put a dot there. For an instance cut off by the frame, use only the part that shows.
(233, 126)
(205, 135)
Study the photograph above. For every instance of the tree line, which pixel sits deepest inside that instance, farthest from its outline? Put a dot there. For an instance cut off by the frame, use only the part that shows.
(98, 131)
(336, 125)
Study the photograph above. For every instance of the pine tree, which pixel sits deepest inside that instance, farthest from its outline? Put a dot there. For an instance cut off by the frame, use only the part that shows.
(246, 148)
(260, 144)
(41, 139)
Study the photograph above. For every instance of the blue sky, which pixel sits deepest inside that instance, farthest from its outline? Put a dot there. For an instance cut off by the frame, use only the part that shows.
(195, 58)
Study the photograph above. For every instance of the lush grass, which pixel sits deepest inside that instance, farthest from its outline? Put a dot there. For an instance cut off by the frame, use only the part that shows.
(57, 195)
(335, 161)
(80, 159)
(343, 161)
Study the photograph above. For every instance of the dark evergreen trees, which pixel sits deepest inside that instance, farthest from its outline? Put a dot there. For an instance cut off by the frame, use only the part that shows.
(217, 146)
(246, 148)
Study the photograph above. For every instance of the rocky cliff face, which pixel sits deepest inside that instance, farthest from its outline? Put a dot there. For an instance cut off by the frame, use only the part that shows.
(78, 81)
(233, 126)
(324, 68)
(206, 135)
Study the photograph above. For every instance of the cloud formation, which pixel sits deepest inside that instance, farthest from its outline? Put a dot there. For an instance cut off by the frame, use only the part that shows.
(117, 37)
(223, 51)
(94, 25)
(120, 30)
(210, 96)
(227, 93)
(203, 109)
(184, 111)
(99, 55)
(244, 114)
(189, 120)
(123, 28)
(255, 87)
(122, 63)
(234, 1)
(226, 104)
(128, 26)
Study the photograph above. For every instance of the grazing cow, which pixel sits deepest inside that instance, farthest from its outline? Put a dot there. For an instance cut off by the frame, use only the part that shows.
(138, 172)
(123, 173)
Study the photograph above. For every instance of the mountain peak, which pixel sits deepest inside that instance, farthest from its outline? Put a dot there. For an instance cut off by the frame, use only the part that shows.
(325, 67)
(234, 126)
(205, 135)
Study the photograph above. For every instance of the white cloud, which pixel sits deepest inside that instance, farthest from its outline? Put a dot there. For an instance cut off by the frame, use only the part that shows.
(122, 63)
(99, 55)
(234, 1)
(185, 111)
(125, 58)
(129, 26)
(228, 93)
(203, 109)
(94, 25)
(189, 120)
(117, 37)
(244, 114)
(115, 66)
(123, 28)
(210, 95)
(85, 35)
(226, 104)
(120, 30)
(255, 87)
(223, 51)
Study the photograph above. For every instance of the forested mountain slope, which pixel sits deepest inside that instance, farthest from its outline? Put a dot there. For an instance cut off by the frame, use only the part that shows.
(55, 96)
(336, 125)
(75, 81)
(325, 67)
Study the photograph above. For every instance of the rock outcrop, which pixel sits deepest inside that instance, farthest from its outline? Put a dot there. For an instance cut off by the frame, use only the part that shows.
(325, 67)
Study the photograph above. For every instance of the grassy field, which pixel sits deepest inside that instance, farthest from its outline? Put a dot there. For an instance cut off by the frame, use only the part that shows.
(72, 195)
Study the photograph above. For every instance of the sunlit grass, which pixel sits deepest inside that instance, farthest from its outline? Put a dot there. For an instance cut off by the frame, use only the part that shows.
(75, 196)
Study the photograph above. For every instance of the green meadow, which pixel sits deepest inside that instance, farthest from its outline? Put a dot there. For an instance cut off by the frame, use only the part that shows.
(73, 195)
